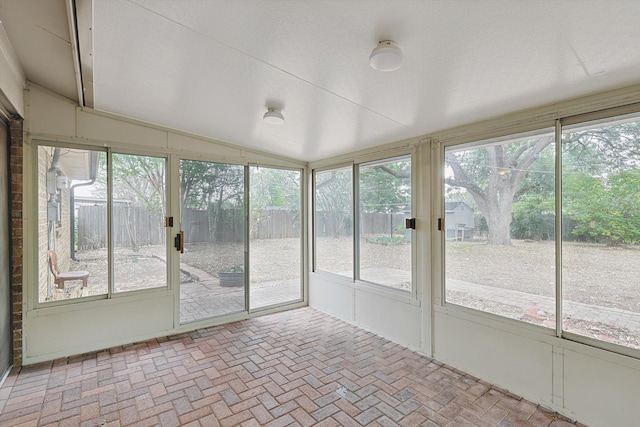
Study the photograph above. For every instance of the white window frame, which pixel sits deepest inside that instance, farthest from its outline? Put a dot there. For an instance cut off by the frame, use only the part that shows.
(466, 141)
(412, 296)
(110, 293)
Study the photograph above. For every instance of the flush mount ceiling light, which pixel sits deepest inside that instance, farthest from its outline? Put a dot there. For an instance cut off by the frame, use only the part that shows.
(387, 56)
(273, 116)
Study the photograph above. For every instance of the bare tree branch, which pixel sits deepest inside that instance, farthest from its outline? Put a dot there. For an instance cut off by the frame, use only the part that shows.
(397, 174)
(460, 177)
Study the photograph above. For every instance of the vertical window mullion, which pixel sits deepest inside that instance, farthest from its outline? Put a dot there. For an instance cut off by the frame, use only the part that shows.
(247, 266)
(109, 223)
(356, 222)
(558, 226)
(313, 267)
(412, 233)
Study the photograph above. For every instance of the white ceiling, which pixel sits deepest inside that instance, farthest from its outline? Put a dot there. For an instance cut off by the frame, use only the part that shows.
(212, 67)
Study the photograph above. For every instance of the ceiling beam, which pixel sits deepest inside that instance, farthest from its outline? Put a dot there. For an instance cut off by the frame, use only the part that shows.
(80, 19)
(75, 53)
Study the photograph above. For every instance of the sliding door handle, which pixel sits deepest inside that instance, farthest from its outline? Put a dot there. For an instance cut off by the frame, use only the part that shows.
(178, 242)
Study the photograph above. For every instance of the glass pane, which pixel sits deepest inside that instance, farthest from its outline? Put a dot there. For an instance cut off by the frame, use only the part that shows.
(72, 223)
(601, 230)
(213, 220)
(385, 203)
(334, 221)
(499, 227)
(139, 236)
(275, 238)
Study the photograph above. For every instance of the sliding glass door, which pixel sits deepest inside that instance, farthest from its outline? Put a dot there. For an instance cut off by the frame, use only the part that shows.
(212, 223)
(275, 238)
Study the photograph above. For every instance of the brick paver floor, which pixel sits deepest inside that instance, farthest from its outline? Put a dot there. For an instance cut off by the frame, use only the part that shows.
(206, 298)
(297, 368)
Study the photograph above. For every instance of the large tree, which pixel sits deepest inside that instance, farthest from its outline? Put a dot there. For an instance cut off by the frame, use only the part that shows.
(496, 175)
(492, 175)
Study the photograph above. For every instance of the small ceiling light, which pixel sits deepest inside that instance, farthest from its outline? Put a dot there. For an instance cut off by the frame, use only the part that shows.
(273, 116)
(387, 56)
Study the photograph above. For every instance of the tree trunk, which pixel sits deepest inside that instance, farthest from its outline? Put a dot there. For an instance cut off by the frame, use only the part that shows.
(131, 224)
(499, 224)
(497, 206)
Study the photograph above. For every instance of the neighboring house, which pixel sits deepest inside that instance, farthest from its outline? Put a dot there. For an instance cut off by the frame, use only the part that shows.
(459, 221)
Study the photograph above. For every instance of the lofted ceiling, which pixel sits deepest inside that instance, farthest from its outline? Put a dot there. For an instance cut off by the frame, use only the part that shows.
(213, 67)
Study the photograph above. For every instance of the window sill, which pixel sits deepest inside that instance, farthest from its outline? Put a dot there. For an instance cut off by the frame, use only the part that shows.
(88, 303)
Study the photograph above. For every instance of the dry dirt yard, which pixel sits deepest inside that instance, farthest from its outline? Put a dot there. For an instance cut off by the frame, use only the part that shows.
(146, 267)
(271, 259)
(593, 274)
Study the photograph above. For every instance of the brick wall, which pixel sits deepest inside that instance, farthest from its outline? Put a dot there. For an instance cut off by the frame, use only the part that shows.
(51, 236)
(15, 165)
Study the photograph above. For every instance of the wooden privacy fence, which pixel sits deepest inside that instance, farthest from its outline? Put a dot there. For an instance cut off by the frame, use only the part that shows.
(336, 224)
(132, 227)
(207, 226)
(382, 223)
(92, 227)
(274, 223)
(136, 226)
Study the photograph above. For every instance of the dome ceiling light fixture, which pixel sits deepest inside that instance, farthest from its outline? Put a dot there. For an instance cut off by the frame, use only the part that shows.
(387, 56)
(273, 116)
